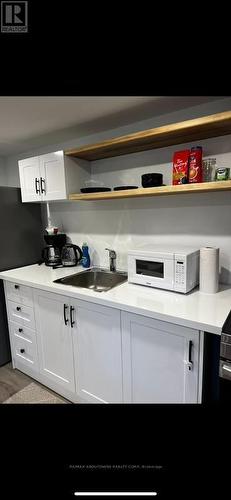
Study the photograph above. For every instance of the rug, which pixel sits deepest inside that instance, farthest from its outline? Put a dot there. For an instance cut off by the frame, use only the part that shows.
(34, 394)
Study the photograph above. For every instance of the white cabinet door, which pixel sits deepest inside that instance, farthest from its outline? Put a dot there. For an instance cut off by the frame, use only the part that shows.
(54, 337)
(97, 352)
(155, 361)
(29, 174)
(52, 176)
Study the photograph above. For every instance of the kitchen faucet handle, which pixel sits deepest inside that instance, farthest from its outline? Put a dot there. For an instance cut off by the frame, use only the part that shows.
(112, 253)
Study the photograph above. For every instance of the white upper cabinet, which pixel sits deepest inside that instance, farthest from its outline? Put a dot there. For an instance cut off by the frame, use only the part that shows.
(29, 174)
(52, 171)
(52, 176)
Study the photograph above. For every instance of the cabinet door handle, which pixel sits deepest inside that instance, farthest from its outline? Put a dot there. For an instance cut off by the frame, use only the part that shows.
(71, 311)
(20, 330)
(16, 287)
(18, 308)
(37, 188)
(190, 363)
(22, 350)
(65, 307)
(42, 181)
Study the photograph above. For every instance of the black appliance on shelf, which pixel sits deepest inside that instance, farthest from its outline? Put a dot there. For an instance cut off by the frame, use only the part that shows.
(152, 180)
(21, 245)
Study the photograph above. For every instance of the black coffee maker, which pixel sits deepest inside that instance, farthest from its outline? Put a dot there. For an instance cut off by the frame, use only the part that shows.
(51, 254)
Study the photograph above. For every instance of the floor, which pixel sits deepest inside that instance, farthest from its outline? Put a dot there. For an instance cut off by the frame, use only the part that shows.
(13, 381)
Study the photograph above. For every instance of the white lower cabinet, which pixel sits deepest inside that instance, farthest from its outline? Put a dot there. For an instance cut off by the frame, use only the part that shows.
(160, 361)
(97, 352)
(54, 338)
(94, 353)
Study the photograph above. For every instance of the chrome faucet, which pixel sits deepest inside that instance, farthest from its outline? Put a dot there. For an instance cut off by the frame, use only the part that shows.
(112, 257)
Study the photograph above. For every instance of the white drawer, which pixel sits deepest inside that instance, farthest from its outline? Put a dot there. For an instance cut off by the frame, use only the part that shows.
(22, 332)
(21, 314)
(19, 293)
(25, 352)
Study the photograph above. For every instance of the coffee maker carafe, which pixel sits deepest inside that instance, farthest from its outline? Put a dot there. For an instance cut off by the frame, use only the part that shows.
(51, 255)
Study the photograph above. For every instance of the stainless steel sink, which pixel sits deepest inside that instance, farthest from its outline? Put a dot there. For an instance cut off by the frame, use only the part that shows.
(96, 278)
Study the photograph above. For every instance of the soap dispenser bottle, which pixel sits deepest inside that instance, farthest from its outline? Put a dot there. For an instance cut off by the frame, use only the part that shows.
(86, 257)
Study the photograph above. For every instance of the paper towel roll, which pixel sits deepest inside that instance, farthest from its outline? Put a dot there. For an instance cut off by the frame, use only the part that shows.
(209, 269)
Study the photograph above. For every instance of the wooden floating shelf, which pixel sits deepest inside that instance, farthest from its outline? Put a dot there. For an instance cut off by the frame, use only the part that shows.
(203, 187)
(176, 133)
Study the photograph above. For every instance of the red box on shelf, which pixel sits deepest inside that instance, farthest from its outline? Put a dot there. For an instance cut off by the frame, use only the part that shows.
(180, 167)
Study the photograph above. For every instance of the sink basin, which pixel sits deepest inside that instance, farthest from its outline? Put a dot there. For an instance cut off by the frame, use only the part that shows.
(96, 278)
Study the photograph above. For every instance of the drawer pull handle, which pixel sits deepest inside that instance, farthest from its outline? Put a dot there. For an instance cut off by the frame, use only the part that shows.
(18, 308)
(20, 330)
(22, 350)
(16, 287)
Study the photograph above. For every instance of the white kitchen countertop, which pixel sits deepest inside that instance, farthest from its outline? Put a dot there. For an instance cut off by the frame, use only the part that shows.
(195, 310)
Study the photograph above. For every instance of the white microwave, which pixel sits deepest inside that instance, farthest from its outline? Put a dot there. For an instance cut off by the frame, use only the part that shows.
(171, 268)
